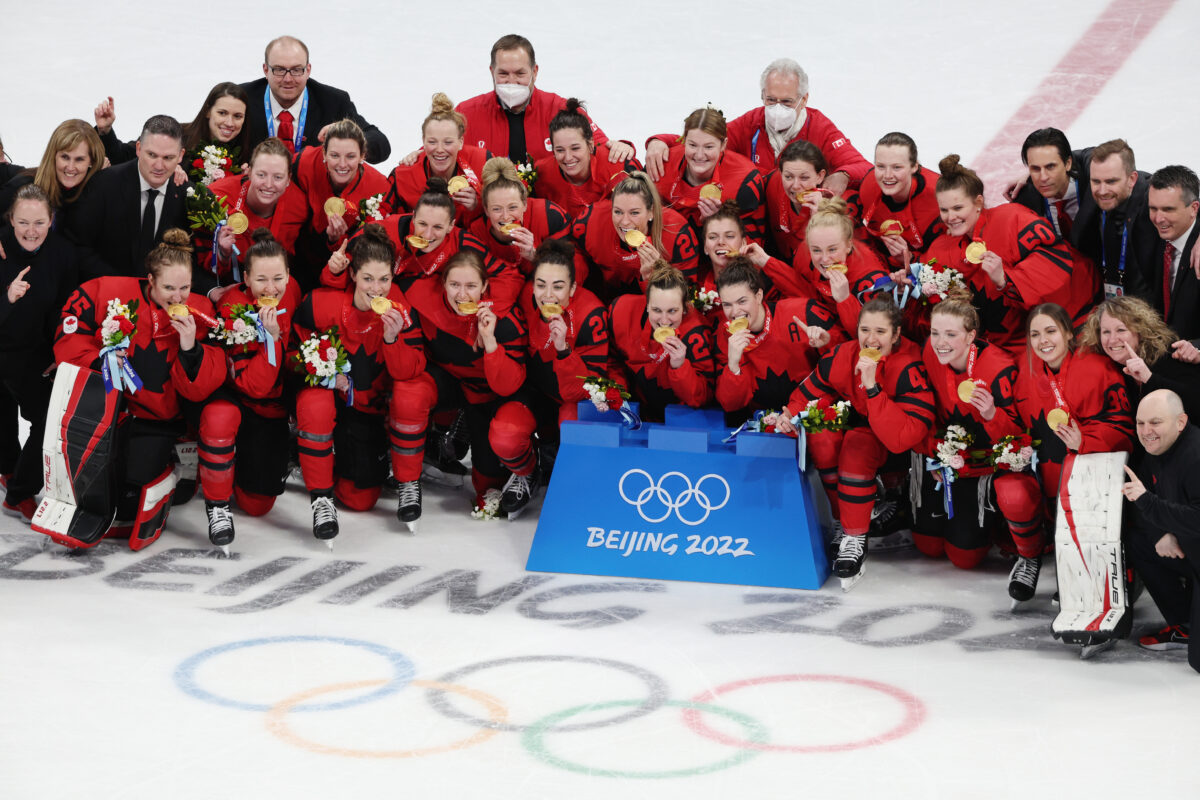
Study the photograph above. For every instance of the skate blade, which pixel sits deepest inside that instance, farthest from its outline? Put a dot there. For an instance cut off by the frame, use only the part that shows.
(225, 550)
(1090, 650)
(1017, 605)
(329, 543)
(513, 516)
(851, 582)
(412, 526)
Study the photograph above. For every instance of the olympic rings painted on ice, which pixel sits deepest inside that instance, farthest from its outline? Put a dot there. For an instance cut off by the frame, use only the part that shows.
(655, 699)
(535, 744)
(656, 492)
(403, 672)
(277, 721)
(754, 742)
(914, 714)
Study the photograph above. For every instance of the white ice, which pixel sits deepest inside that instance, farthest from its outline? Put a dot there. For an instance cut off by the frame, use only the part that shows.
(989, 706)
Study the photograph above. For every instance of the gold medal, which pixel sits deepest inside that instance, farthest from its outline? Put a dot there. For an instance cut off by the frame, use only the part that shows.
(267, 302)
(381, 305)
(711, 191)
(335, 207)
(178, 311)
(737, 325)
(891, 226)
(551, 310)
(418, 242)
(508, 227)
(469, 307)
(635, 238)
(965, 390)
(974, 252)
(871, 353)
(238, 222)
(664, 333)
(836, 268)
(457, 184)
(1056, 417)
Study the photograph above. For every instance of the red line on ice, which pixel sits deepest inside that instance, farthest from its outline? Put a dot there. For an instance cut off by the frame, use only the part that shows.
(1071, 85)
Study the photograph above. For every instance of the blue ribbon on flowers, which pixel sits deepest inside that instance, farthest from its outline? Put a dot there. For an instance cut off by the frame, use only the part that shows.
(331, 383)
(237, 272)
(947, 479)
(745, 426)
(264, 336)
(628, 418)
(913, 290)
(117, 372)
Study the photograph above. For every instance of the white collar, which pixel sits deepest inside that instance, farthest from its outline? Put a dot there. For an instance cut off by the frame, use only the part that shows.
(1181, 242)
(277, 108)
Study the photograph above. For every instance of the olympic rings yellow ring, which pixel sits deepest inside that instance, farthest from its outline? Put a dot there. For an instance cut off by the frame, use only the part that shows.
(277, 720)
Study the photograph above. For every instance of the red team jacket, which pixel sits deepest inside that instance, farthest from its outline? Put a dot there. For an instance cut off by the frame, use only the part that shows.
(778, 359)
(900, 416)
(995, 368)
(1037, 268)
(1095, 397)
(374, 364)
(640, 363)
(154, 346)
(543, 219)
(561, 377)
(863, 269)
(599, 247)
(747, 136)
(258, 384)
(312, 178)
(407, 183)
(450, 342)
(603, 175)
(735, 175)
(291, 211)
(487, 124)
(920, 216)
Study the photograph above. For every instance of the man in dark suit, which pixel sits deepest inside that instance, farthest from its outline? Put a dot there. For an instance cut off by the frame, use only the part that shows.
(1173, 205)
(131, 205)
(300, 109)
(1104, 218)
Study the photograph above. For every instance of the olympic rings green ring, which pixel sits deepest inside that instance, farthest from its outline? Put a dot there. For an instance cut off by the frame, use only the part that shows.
(534, 741)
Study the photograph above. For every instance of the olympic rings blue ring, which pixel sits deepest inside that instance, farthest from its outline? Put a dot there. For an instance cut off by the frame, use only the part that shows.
(402, 668)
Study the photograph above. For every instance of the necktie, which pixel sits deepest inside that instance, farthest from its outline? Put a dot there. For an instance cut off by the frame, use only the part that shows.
(1168, 263)
(286, 131)
(1064, 220)
(148, 222)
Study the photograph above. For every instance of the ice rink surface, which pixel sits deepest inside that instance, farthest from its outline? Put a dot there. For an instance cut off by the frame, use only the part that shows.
(434, 665)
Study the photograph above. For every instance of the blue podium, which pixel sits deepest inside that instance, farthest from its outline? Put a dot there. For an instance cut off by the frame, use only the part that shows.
(671, 501)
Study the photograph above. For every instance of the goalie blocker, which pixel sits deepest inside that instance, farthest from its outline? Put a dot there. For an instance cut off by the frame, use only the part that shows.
(79, 456)
(1094, 605)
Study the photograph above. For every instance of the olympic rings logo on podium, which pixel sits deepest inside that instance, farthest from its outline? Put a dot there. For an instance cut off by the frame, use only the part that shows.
(656, 494)
(754, 740)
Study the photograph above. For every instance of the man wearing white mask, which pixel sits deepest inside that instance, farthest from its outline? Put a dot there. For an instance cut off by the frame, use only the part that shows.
(784, 117)
(513, 120)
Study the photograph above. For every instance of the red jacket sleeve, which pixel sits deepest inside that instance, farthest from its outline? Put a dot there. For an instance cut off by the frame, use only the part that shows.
(405, 357)
(692, 381)
(76, 341)
(733, 391)
(504, 367)
(904, 418)
(589, 356)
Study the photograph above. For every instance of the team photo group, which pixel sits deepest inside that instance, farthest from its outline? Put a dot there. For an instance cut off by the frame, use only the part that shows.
(209, 306)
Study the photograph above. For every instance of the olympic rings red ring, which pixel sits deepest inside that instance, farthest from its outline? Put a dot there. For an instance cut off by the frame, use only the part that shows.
(914, 714)
(277, 721)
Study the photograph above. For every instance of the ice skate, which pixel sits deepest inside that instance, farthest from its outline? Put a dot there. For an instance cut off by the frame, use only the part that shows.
(443, 471)
(220, 525)
(408, 507)
(1022, 581)
(849, 564)
(325, 521)
(518, 492)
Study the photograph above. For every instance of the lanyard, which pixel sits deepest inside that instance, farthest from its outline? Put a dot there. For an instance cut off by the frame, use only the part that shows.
(1104, 248)
(299, 122)
(1059, 402)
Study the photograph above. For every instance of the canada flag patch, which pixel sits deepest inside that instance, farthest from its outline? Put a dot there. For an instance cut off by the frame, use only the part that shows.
(70, 324)
(836, 143)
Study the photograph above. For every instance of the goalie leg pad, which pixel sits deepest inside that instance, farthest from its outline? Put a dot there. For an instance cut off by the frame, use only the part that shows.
(154, 505)
(1088, 552)
(79, 453)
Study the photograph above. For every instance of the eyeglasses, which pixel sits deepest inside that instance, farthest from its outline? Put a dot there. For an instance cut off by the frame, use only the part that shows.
(295, 72)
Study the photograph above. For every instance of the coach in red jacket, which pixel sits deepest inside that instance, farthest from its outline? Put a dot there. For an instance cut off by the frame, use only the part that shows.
(762, 133)
(514, 119)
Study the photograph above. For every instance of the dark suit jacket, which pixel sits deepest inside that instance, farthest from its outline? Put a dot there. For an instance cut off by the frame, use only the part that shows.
(1085, 233)
(1184, 317)
(108, 219)
(325, 105)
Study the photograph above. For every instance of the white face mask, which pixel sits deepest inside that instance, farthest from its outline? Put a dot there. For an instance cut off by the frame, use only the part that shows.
(780, 117)
(512, 94)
